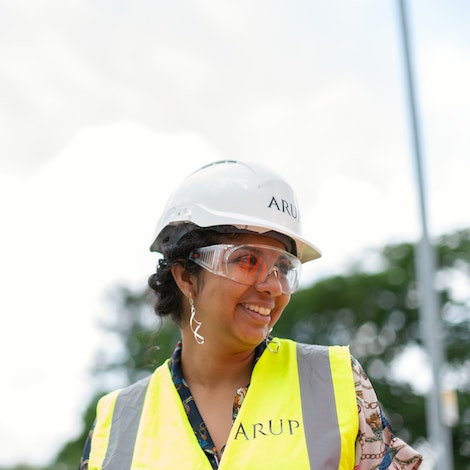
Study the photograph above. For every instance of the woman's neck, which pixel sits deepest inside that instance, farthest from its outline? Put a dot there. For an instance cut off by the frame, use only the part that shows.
(205, 365)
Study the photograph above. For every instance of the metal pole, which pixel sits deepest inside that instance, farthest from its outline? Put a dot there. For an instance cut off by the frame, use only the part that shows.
(426, 266)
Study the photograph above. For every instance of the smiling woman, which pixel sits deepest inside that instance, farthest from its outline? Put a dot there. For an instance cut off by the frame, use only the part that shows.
(231, 395)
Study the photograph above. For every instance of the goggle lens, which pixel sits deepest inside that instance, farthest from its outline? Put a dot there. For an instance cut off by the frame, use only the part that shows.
(250, 264)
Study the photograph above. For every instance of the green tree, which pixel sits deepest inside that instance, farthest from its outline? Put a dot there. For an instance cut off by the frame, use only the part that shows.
(372, 306)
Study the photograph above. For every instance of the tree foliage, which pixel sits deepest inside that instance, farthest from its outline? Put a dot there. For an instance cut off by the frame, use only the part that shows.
(373, 307)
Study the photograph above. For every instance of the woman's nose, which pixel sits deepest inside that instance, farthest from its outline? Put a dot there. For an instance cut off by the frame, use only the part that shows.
(272, 283)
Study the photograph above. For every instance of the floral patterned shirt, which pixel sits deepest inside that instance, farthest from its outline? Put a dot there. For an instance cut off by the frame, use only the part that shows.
(376, 446)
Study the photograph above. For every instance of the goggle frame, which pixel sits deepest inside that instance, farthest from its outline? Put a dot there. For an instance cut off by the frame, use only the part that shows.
(217, 259)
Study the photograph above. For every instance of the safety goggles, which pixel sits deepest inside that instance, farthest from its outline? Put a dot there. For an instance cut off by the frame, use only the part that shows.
(250, 264)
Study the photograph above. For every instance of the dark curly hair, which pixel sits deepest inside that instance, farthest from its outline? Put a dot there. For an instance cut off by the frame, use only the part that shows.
(167, 298)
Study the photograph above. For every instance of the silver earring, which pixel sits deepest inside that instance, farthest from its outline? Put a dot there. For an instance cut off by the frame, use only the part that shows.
(193, 323)
(269, 341)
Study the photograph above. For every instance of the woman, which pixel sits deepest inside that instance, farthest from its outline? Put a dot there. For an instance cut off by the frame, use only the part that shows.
(231, 396)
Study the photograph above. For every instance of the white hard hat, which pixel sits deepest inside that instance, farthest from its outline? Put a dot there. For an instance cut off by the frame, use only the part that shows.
(245, 196)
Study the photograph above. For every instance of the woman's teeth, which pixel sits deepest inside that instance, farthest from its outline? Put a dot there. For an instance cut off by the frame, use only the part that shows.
(256, 308)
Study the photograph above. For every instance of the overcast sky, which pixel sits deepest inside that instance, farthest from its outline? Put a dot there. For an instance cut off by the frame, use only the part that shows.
(105, 106)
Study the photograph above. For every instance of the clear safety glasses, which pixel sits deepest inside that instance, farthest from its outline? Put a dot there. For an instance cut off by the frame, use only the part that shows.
(250, 264)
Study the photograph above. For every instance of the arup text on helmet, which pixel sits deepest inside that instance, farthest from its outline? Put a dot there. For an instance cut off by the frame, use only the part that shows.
(285, 206)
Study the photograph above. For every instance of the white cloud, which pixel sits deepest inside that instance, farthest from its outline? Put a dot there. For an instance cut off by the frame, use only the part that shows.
(81, 225)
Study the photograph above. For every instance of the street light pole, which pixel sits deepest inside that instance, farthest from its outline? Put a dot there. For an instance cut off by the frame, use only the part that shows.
(426, 267)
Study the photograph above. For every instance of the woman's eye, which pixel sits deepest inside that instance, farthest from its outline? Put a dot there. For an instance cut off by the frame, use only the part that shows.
(248, 261)
(284, 268)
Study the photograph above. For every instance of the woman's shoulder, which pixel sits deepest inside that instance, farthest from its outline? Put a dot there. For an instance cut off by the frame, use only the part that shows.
(323, 350)
(135, 388)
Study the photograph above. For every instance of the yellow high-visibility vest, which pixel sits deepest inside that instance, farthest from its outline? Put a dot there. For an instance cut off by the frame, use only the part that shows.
(299, 412)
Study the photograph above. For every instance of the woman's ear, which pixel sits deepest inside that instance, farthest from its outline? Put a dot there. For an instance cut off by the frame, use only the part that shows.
(184, 279)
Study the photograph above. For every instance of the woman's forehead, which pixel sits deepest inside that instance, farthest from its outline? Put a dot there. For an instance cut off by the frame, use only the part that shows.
(255, 238)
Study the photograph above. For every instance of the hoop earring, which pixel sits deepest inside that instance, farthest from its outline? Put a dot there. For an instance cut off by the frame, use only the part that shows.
(268, 340)
(193, 323)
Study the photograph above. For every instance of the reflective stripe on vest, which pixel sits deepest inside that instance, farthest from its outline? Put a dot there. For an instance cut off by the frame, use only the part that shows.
(328, 404)
(300, 412)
